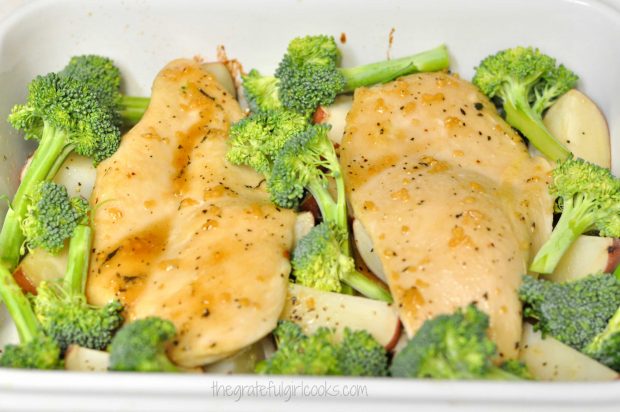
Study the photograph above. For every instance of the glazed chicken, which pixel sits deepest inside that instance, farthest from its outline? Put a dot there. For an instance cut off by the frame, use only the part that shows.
(182, 234)
(452, 201)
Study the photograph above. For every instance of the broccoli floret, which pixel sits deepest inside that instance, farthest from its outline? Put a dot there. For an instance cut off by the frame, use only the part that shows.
(319, 262)
(63, 311)
(261, 92)
(140, 346)
(517, 368)
(572, 312)
(101, 74)
(309, 75)
(527, 82)
(359, 354)
(306, 161)
(256, 140)
(52, 217)
(36, 350)
(589, 198)
(64, 116)
(452, 347)
(40, 353)
(605, 347)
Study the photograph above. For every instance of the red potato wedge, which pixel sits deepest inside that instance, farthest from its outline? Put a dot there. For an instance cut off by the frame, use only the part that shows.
(222, 75)
(578, 123)
(39, 265)
(589, 254)
(336, 115)
(550, 360)
(79, 359)
(364, 246)
(312, 308)
(78, 175)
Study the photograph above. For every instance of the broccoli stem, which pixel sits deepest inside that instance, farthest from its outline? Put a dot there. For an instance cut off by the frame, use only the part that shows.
(367, 286)
(576, 219)
(520, 115)
(77, 261)
(133, 108)
(50, 154)
(18, 307)
(381, 72)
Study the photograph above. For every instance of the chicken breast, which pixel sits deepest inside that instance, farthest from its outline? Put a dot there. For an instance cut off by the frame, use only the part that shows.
(450, 197)
(182, 234)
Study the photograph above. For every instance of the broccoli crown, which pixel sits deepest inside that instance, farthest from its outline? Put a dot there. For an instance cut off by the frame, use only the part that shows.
(579, 185)
(319, 50)
(451, 347)
(52, 217)
(319, 354)
(318, 261)
(299, 163)
(73, 109)
(524, 70)
(256, 140)
(572, 312)
(527, 81)
(70, 319)
(99, 73)
(361, 355)
(261, 92)
(605, 347)
(140, 346)
(304, 87)
(40, 353)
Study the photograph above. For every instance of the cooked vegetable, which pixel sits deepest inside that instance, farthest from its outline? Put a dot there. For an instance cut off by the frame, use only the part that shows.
(527, 82)
(261, 91)
(605, 347)
(256, 140)
(454, 347)
(140, 346)
(319, 261)
(63, 311)
(572, 312)
(100, 73)
(52, 217)
(308, 75)
(36, 351)
(359, 354)
(64, 115)
(589, 198)
(548, 359)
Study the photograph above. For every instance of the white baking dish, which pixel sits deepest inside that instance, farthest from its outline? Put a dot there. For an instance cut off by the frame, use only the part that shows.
(141, 36)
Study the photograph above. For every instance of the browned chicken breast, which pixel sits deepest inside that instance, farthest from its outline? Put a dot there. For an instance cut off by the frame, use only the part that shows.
(182, 234)
(453, 202)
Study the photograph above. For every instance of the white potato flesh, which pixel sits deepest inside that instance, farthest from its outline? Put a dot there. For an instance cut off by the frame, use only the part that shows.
(577, 122)
(80, 359)
(550, 360)
(222, 75)
(587, 255)
(39, 265)
(364, 245)
(78, 175)
(336, 115)
(311, 309)
(303, 225)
